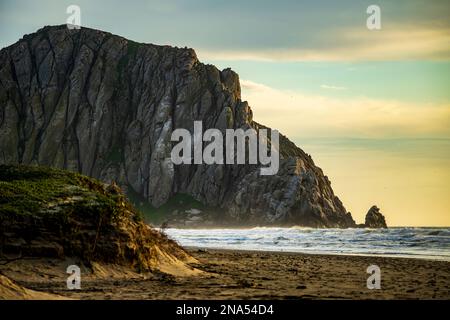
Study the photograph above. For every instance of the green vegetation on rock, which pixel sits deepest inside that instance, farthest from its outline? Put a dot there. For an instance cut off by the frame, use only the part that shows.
(28, 190)
(177, 203)
(51, 212)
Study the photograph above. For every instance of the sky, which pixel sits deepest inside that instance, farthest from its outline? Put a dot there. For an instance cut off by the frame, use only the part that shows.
(372, 107)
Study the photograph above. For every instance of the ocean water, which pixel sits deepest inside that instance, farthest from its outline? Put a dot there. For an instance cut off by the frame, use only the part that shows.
(429, 243)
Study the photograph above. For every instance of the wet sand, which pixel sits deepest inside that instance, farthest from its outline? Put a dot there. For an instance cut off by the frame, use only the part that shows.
(230, 274)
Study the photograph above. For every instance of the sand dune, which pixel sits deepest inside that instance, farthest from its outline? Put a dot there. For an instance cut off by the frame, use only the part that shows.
(228, 274)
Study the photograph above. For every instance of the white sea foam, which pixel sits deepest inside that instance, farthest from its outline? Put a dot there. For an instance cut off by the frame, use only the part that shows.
(430, 243)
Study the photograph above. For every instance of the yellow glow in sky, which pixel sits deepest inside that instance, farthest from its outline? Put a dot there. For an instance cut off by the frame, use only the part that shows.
(408, 178)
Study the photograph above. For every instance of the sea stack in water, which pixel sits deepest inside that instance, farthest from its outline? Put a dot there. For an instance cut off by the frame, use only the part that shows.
(375, 219)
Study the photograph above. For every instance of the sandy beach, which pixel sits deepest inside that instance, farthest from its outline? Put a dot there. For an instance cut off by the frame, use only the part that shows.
(229, 274)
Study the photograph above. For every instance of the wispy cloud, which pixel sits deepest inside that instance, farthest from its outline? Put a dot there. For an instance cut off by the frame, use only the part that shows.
(325, 86)
(292, 30)
(398, 42)
(250, 86)
(303, 115)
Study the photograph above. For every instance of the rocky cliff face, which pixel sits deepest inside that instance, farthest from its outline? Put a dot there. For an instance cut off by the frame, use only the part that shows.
(104, 106)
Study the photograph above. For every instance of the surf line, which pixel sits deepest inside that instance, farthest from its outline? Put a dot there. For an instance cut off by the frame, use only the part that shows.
(247, 144)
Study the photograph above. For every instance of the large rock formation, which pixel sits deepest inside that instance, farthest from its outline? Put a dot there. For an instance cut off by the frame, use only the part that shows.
(375, 219)
(104, 106)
